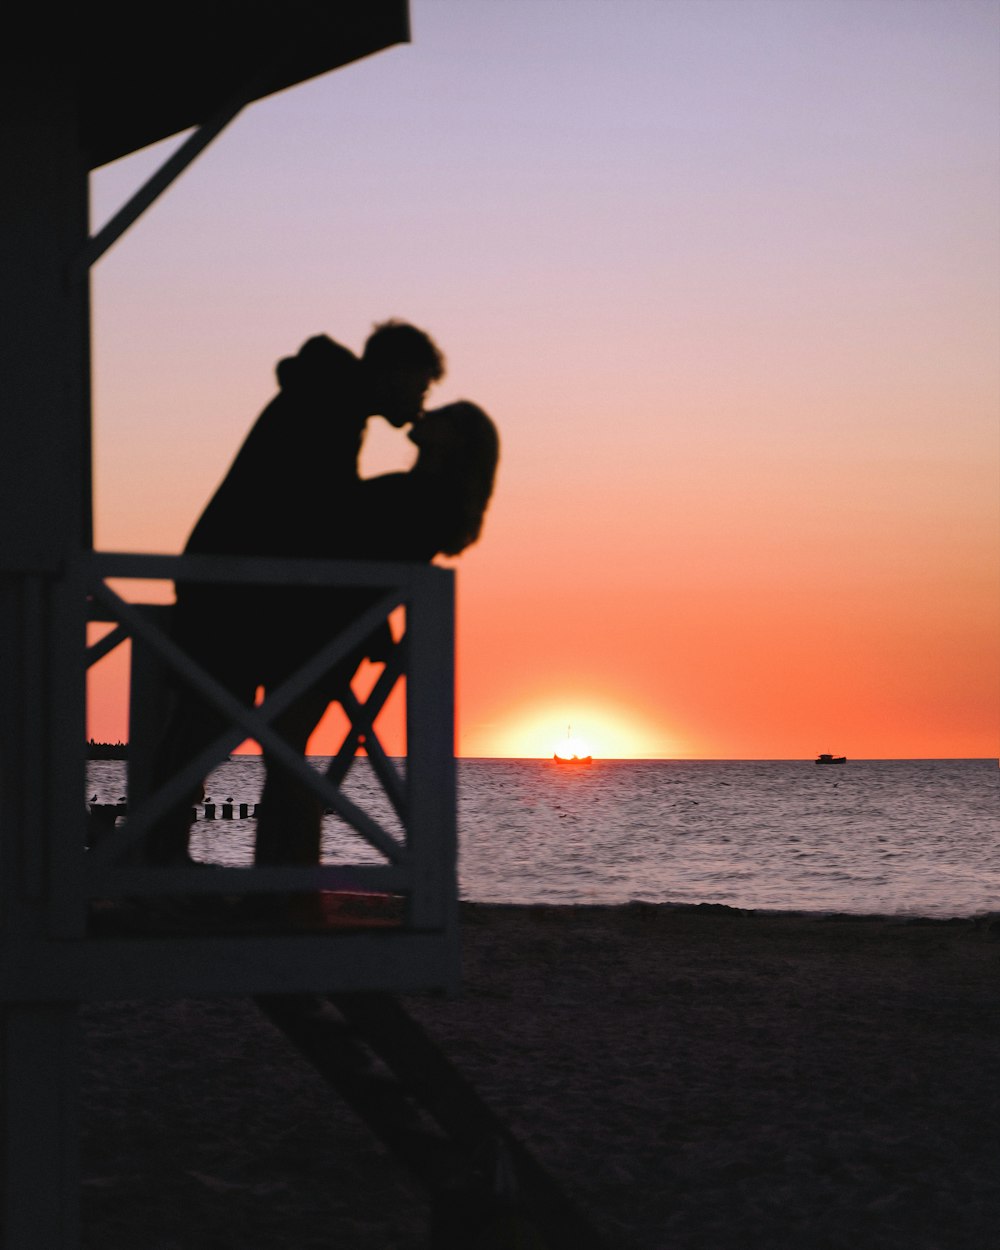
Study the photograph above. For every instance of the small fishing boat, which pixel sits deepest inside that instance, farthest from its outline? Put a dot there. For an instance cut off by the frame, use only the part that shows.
(569, 754)
(831, 759)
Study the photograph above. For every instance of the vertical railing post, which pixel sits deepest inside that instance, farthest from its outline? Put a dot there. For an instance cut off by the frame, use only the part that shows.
(147, 710)
(430, 746)
(65, 692)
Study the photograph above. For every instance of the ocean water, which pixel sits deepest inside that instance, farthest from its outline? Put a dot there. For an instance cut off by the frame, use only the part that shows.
(897, 837)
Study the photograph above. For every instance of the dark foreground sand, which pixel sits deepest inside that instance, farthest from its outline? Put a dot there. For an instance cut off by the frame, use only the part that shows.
(696, 1078)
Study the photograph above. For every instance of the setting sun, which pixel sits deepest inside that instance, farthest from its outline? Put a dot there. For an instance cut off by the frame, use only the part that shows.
(565, 725)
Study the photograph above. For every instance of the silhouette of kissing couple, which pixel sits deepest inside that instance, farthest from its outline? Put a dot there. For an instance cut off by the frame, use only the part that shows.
(294, 490)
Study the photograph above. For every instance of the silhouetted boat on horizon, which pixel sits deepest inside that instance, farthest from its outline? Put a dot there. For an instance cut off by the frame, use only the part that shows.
(573, 760)
(831, 759)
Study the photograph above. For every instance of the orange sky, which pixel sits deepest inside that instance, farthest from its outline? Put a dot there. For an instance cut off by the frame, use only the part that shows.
(727, 277)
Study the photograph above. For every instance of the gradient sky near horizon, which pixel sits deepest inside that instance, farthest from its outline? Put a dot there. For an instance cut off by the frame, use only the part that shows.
(727, 275)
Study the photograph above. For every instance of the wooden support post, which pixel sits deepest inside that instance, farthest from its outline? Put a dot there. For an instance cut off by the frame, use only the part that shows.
(148, 707)
(44, 525)
(430, 747)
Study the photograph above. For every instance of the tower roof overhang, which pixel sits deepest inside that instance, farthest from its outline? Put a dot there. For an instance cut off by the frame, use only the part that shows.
(151, 71)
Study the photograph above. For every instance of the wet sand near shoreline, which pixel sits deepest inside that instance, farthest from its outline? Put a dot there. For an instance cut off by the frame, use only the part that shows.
(694, 1077)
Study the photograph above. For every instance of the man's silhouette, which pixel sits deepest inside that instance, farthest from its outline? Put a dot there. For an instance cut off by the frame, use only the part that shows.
(280, 497)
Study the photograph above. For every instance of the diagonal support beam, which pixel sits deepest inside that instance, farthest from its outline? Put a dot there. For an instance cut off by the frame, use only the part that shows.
(362, 717)
(105, 645)
(170, 170)
(153, 188)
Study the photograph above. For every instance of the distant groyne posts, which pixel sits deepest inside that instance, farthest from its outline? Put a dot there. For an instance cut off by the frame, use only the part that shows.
(225, 811)
(106, 814)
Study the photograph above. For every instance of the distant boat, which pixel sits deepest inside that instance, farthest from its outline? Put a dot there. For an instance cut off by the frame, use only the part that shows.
(831, 759)
(573, 759)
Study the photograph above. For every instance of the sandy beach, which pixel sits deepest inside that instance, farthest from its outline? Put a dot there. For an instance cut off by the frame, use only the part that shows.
(694, 1077)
